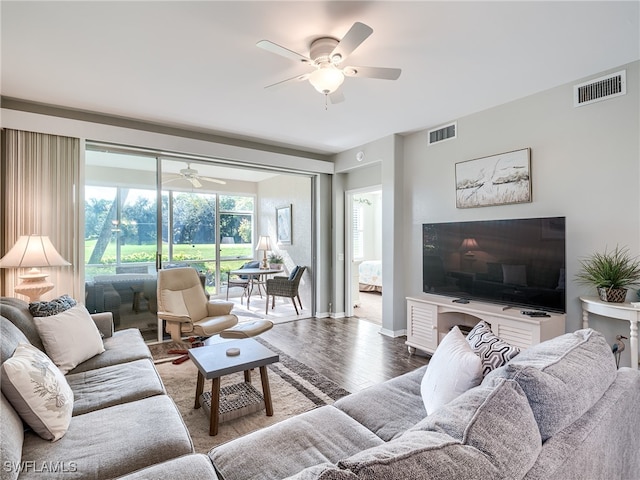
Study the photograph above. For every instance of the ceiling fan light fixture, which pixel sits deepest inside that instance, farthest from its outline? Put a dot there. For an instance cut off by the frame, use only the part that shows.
(326, 79)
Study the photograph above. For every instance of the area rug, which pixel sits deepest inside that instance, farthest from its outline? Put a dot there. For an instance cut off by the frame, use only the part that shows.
(295, 388)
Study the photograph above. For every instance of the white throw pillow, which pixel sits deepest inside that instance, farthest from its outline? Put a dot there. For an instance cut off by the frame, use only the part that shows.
(453, 369)
(70, 337)
(38, 391)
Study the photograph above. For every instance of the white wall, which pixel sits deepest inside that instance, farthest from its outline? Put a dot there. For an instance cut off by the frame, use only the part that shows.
(585, 166)
(294, 190)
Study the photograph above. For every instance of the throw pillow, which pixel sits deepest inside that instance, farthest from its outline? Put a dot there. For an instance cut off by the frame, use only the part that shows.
(492, 350)
(294, 272)
(70, 337)
(453, 369)
(38, 391)
(57, 305)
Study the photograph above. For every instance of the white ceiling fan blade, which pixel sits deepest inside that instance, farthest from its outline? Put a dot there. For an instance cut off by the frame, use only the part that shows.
(212, 180)
(373, 72)
(298, 78)
(336, 97)
(357, 34)
(194, 181)
(170, 177)
(282, 51)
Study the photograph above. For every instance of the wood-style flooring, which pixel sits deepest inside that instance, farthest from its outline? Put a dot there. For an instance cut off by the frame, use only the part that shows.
(348, 351)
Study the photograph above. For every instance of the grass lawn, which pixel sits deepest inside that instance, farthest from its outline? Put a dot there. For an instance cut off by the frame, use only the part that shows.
(146, 253)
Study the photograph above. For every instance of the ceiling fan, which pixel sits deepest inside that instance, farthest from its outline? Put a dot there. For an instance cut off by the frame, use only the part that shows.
(326, 55)
(191, 175)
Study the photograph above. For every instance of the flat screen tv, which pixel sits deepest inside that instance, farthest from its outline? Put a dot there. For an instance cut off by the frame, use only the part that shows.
(515, 262)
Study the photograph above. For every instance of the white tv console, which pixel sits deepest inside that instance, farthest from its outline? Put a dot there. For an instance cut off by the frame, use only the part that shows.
(430, 317)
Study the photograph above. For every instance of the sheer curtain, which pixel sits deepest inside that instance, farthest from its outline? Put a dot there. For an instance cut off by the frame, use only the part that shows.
(40, 188)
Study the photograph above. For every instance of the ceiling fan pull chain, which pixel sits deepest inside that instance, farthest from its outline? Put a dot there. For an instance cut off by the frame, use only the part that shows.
(325, 101)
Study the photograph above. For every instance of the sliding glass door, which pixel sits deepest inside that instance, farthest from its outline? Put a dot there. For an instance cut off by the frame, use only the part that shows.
(144, 212)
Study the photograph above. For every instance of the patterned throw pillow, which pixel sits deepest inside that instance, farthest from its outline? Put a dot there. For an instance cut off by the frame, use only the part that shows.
(38, 391)
(53, 307)
(493, 351)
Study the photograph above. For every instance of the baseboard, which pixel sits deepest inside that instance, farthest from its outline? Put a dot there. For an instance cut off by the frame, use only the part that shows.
(393, 333)
(338, 315)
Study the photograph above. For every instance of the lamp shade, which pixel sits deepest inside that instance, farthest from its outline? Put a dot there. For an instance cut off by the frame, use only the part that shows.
(264, 243)
(33, 251)
(469, 245)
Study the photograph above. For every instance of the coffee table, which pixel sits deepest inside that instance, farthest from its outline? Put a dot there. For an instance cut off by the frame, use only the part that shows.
(213, 362)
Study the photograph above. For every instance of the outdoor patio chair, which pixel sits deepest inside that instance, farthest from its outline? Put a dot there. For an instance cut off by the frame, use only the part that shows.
(280, 286)
(235, 280)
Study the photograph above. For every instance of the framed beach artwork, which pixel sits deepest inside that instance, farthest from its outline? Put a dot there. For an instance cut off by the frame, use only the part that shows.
(500, 179)
(283, 225)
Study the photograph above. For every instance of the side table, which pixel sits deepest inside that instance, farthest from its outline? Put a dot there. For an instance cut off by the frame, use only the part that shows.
(621, 311)
(213, 362)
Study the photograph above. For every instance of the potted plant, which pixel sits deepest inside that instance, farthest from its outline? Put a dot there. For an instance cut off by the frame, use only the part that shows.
(611, 273)
(276, 262)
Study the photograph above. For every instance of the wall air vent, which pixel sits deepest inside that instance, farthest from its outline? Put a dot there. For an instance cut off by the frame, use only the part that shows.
(599, 89)
(440, 134)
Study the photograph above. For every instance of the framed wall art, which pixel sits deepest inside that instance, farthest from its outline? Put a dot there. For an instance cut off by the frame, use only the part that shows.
(500, 179)
(283, 225)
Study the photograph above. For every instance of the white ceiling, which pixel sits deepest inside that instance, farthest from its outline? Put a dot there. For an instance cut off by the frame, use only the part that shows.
(195, 64)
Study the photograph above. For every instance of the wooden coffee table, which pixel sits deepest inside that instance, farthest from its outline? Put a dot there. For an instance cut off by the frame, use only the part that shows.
(213, 362)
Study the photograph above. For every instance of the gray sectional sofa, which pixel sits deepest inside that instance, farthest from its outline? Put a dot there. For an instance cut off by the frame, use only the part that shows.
(557, 410)
(122, 421)
(560, 409)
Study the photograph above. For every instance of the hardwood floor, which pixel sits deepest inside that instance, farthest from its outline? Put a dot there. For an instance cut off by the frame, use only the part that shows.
(349, 351)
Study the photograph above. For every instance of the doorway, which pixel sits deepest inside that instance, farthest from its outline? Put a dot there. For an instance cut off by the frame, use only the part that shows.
(364, 254)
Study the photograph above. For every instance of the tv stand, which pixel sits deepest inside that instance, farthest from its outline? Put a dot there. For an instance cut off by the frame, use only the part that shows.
(430, 317)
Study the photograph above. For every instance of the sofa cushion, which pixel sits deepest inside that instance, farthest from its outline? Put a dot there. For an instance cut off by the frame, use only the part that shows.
(52, 307)
(323, 471)
(17, 312)
(10, 336)
(603, 443)
(108, 386)
(452, 370)
(124, 346)
(472, 437)
(492, 350)
(323, 435)
(397, 406)
(10, 440)
(113, 441)
(69, 337)
(38, 391)
(187, 467)
(562, 377)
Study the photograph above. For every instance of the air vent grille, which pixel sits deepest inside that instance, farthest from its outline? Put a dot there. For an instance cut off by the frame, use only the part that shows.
(600, 89)
(447, 132)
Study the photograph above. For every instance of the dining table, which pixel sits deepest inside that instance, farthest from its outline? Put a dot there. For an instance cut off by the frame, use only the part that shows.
(255, 277)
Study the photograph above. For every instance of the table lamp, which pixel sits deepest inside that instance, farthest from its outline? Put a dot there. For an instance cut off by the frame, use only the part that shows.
(470, 245)
(33, 251)
(264, 244)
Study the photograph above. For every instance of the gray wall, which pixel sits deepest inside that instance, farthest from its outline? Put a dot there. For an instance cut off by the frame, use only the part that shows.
(585, 166)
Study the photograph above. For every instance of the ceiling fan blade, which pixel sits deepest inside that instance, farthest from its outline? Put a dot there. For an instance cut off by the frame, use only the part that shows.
(298, 78)
(357, 34)
(336, 97)
(212, 180)
(282, 51)
(194, 181)
(373, 72)
(170, 177)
